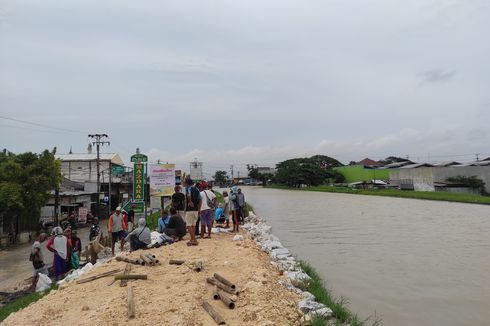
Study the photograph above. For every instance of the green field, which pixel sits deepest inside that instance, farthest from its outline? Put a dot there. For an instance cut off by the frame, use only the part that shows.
(355, 173)
(439, 195)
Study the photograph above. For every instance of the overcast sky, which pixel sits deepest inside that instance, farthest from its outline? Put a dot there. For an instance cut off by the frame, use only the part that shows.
(256, 81)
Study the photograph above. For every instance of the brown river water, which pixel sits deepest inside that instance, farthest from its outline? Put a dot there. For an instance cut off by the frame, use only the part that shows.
(413, 262)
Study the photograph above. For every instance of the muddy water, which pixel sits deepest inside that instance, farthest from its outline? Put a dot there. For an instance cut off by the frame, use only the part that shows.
(413, 262)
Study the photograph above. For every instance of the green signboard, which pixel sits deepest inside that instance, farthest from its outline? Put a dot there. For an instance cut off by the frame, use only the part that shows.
(139, 182)
(117, 169)
(139, 158)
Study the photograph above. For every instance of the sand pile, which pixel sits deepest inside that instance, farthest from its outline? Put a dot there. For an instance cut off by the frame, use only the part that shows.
(173, 294)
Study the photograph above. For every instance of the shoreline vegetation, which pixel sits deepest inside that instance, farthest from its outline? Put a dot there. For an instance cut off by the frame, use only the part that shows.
(438, 196)
(22, 302)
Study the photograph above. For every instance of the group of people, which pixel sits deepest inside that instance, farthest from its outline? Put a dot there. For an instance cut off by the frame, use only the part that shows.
(66, 247)
(193, 210)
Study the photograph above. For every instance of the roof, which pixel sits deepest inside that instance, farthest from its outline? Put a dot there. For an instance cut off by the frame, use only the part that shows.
(487, 159)
(369, 162)
(478, 163)
(444, 164)
(398, 164)
(114, 158)
(416, 165)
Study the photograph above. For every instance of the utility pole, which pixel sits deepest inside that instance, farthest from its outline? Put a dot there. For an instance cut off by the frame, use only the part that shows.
(477, 156)
(231, 170)
(99, 139)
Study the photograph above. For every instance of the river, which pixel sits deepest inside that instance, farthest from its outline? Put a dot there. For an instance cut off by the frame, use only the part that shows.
(413, 262)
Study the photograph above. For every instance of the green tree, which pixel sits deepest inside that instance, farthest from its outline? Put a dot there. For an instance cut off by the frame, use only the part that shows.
(220, 177)
(472, 182)
(253, 172)
(311, 171)
(25, 182)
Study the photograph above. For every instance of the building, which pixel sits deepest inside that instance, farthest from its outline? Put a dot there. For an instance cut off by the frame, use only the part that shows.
(368, 163)
(425, 177)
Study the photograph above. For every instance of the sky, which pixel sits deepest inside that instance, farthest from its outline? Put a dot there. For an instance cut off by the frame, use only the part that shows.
(247, 82)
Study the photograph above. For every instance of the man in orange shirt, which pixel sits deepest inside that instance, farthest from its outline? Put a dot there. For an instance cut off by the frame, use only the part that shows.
(117, 226)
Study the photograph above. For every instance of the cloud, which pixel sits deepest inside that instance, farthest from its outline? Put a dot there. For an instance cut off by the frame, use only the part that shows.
(436, 76)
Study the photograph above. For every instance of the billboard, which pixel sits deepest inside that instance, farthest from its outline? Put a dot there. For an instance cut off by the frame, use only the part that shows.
(162, 179)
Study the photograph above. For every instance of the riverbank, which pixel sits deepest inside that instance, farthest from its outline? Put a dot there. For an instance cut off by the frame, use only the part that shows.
(439, 195)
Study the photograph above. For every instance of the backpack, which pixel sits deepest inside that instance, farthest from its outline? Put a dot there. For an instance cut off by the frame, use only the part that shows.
(211, 204)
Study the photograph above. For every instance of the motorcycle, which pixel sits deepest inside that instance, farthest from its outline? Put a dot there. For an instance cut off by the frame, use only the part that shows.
(94, 230)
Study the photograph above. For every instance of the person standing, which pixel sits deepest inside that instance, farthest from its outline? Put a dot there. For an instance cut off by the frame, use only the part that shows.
(76, 244)
(234, 208)
(60, 246)
(193, 207)
(226, 208)
(131, 217)
(117, 227)
(241, 204)
(37, 259)
(178, 201)
(208, 199)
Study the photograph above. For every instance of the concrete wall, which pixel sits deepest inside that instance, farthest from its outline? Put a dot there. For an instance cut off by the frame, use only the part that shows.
(86, 171)
(423, 178)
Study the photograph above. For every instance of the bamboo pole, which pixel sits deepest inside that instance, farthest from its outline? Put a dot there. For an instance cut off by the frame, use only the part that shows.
(153, 258)
(130, 301)
(95, 277)
(126, 272)
(226, 299)
(146, 260)
(215, 293)
(223, 287)
(198, 266)
(224, 280)
(130, 277)
(129, 260)
(176, 262)
(213, 313)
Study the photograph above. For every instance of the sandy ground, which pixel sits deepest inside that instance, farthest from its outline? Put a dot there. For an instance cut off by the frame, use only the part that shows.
(173, 294)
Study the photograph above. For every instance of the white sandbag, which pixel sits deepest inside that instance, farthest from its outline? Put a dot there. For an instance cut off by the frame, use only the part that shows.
(43, 282)
(238, 237)
(87, 268)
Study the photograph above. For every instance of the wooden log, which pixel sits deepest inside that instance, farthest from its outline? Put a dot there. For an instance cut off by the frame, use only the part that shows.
(176, 262)
(130, 277)
(213, 313)
(224, 280)
(151, 254)
(215, 293)
(127, 270)
(199, 266)
(130, 301)
(226, 299)
(95, 277)
(146, 260)
(223, 287)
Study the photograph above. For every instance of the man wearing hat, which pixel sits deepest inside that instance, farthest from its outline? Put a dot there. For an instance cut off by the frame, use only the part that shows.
(117, 226)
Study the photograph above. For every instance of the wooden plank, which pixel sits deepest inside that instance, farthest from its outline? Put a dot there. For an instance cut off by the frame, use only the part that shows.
(131, 277)
(92, 278)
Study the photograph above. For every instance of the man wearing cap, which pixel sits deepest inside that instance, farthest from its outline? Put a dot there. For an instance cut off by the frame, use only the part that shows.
(117, 226)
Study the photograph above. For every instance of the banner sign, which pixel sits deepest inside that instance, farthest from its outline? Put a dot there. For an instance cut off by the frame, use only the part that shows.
(82, 214)
(162, 179)
(139, 182)
(139, 158)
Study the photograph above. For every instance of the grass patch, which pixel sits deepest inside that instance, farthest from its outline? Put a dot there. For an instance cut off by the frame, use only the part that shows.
(428, 195)
(22, 302)
(338, 306)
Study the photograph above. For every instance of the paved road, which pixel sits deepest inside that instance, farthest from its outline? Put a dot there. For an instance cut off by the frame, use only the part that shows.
(15, 266)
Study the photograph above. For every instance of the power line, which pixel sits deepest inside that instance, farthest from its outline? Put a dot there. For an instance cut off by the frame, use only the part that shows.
(41, 125)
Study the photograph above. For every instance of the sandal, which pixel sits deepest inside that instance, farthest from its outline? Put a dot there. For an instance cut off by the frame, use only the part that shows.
(191, 243)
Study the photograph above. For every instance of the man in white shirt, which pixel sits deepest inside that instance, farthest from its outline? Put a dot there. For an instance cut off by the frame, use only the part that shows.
(207, 208)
